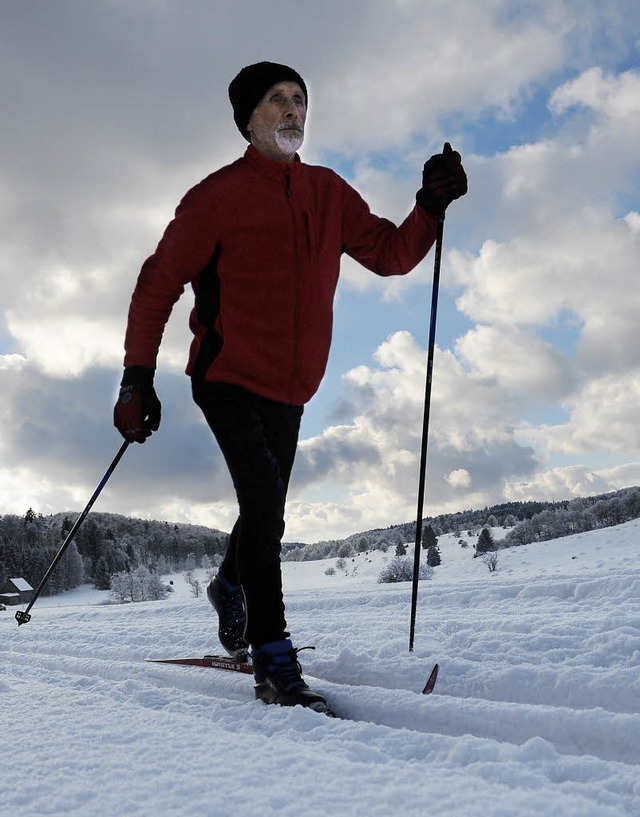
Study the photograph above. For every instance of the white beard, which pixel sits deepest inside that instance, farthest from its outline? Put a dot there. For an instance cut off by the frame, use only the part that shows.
(288, 140)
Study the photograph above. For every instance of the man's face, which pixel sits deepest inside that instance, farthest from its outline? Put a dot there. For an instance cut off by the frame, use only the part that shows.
(276, 126)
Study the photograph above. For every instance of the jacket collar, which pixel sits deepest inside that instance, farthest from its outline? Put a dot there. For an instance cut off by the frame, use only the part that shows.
(269, 167)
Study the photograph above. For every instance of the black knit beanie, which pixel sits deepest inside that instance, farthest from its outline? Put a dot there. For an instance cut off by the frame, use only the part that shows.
(252, 83)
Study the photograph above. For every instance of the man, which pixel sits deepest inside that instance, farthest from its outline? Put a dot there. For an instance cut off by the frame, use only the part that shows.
(260, 242)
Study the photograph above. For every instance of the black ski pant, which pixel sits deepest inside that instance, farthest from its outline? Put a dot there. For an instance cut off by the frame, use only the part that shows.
(258, 439)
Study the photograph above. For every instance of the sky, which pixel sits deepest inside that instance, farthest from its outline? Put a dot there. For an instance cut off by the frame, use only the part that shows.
(113, 109)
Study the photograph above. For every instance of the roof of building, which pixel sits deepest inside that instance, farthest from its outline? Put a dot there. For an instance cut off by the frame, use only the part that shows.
(21, 585)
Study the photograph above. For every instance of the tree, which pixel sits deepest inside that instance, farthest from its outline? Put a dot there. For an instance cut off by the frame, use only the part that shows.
(74, 567)
(120, 587)
(400, 569)
(156, 588)
(401, 549)
(433, 556)
(102, 575)
(491, 561)
(136, 585)
(132, 556)
(196, 586)
(485, 542)
(345, 550)
(429, 538)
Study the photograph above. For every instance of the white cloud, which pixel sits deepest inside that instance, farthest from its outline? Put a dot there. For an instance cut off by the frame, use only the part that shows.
(518, 361)
(558, 484)
(615, 98)
(12, 361)
(580, 263)
(374, 459)
(572, 481)
(65, 346)
(461, 58)
(603, 417)
(460, 478)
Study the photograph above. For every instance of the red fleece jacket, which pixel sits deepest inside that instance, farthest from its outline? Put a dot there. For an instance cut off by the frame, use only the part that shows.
(260, 242)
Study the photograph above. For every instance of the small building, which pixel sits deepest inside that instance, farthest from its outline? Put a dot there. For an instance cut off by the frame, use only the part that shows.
(16, 591)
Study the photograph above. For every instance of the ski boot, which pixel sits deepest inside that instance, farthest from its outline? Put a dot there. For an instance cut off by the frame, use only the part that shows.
(278, 677)
(228, 602)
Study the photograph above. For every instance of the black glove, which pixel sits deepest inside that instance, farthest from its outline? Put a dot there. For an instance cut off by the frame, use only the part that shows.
(443, 180)
(137, 412)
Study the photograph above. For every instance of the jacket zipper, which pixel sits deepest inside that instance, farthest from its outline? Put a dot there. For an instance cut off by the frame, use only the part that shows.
(296, 314)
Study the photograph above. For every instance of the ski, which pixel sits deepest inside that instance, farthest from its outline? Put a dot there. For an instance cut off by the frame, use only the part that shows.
(225, 662)
(431, 681)
(212, 661)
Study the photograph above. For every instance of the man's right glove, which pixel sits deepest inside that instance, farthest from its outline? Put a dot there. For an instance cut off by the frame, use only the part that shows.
(443, 180)
(137, 413)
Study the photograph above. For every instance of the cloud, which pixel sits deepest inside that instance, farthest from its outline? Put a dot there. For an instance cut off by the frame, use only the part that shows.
(374, 459)
(518, 361)
(460, 478)
(568, 482)
(59, 439)
(612, 97)
(421, 74)
(603, 417)
(558, 484)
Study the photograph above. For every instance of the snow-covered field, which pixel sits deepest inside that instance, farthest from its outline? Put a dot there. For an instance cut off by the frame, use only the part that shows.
(536, 711)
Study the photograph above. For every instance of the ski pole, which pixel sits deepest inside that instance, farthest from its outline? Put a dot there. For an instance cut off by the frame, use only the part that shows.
(425, 427)
(22, 617)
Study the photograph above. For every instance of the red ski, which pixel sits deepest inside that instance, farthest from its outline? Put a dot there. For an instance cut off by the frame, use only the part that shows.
(225, 662)
(431, 681)
(211, 661)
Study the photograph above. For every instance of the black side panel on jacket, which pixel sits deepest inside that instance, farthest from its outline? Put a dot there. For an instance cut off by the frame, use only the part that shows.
(207, 310)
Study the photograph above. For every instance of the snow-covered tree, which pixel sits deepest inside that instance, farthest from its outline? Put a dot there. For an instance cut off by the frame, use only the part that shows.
(433, 556)
(485, 543)
(429, 538)
(400, 569)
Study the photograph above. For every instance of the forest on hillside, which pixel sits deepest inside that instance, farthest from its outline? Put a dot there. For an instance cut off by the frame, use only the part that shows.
(104, 545)
(526, 522)
(107, 545)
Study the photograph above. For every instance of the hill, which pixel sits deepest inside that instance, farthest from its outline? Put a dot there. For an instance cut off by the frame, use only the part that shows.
(108, 544)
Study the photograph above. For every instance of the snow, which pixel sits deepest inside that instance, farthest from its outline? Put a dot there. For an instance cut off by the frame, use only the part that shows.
(535, 711)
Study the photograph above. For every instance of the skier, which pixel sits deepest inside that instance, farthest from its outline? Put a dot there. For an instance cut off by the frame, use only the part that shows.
(260, 241)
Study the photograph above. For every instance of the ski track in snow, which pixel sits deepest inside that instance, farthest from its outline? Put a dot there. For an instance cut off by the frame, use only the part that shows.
(536, 711)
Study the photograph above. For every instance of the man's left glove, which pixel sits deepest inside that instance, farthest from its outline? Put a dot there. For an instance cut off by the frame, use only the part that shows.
(443, 180)
(137, 413)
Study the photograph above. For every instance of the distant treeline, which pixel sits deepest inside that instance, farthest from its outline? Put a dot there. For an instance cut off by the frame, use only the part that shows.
(576, 516)
(108, 544)
(527, 522)
(105, 544)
